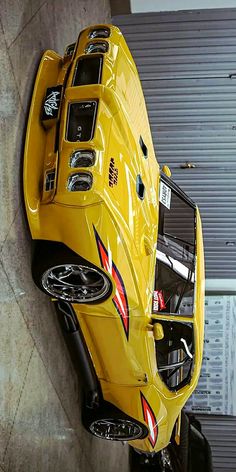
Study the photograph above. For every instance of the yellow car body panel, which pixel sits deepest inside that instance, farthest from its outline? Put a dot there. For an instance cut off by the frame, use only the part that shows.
(133, 363)
(124, 359)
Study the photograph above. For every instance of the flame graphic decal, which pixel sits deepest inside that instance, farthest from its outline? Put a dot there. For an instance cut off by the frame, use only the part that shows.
(120, 299)
(151, 421)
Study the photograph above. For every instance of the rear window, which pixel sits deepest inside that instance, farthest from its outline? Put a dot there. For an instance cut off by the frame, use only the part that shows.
(175, 254)
(175, 354)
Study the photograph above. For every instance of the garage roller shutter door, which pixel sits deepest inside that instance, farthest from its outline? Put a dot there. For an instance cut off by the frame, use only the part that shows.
(187, 65)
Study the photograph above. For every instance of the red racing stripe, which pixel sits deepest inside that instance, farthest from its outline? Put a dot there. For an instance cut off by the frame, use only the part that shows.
(150, 420)
(120, 299)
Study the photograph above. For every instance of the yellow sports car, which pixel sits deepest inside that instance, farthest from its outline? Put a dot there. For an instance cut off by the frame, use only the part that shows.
(117, 243)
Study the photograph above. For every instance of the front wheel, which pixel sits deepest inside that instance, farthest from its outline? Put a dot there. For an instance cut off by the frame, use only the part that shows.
(108, 422)
(64, 275)
(116, 429)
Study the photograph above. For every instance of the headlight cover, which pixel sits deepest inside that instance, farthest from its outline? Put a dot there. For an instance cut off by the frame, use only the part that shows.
(96, 47)
(82, 158)
(99, 33)
(80, 182)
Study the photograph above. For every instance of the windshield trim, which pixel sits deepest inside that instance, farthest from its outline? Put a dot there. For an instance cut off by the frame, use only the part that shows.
(187, 274)
(177, 190)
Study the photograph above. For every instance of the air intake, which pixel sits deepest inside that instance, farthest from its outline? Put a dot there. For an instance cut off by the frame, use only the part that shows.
(50, 180)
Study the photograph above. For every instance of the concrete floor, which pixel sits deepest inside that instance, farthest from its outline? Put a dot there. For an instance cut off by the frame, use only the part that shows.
(40, 427)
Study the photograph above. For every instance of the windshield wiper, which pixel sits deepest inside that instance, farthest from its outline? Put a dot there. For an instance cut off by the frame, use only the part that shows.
(179, 239)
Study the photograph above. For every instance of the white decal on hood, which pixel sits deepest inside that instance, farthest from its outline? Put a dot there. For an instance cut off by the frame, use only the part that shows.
(51, 103)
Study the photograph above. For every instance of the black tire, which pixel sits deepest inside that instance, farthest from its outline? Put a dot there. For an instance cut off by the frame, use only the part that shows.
(77, 280)
(184, 441)
(122, 427)
(196, 423)
(137, 462)
(141, 462)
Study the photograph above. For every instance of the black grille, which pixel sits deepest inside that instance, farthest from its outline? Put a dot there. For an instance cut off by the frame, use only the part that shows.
(88, 71)
(50, 180)
(81, 121)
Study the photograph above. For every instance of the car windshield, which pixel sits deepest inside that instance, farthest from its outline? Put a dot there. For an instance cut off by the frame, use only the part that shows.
(175, 254)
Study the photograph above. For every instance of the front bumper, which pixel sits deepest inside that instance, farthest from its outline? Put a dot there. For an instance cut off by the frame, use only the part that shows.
(39, 144)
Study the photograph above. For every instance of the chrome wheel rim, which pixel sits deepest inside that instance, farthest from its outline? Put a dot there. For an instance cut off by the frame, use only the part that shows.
(116, 430)
(75, 283)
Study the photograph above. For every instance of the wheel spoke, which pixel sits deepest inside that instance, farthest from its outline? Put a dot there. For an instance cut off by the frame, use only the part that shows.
(83, 276)
(53, 276)
(66, 273)
(60, 279)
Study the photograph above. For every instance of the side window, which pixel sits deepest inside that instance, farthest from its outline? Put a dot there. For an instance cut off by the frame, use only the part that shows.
(175, 354)
(175, 255)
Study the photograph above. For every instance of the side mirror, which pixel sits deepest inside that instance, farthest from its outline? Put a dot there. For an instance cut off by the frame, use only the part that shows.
(166, 171)
(158, 332)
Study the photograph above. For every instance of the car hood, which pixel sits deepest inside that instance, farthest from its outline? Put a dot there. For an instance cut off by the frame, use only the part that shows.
(131, 191)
